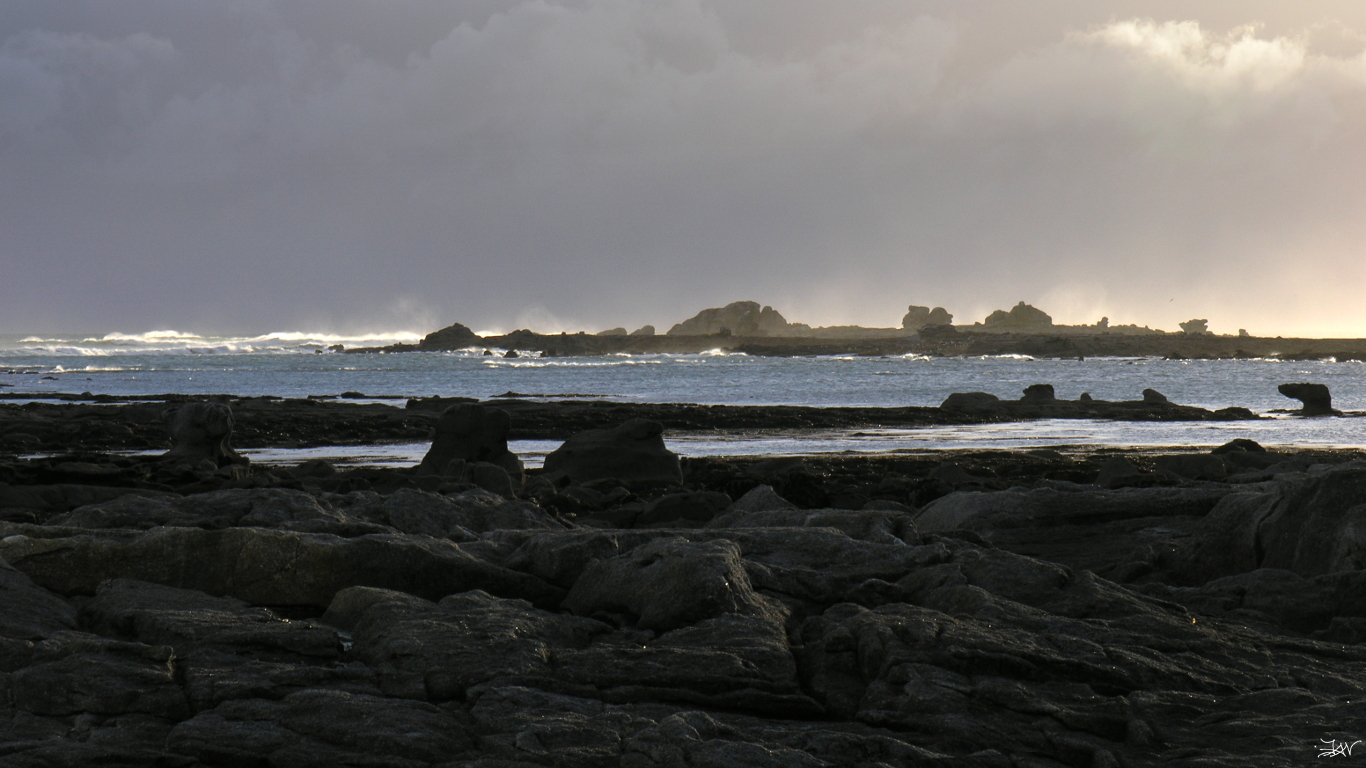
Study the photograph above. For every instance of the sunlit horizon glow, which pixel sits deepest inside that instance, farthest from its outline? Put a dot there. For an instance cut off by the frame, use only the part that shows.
(380, 172)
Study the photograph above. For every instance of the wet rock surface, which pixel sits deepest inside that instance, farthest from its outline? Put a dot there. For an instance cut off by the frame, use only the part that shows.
(994, 608)
(106, 423)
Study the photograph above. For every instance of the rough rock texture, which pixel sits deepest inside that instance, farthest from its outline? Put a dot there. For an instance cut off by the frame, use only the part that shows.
(262, 566)
(1309, 524)
(632, 452)
(992, 610)
(1316, 398)
(201, 432)
(471, 433)
(1195, 327)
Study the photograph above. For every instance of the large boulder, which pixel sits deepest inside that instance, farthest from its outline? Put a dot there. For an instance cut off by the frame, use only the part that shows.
(1308, 524)
(189, 620)
(201, 431)
(669, 583)
(632, 452)
(29, 612)
(76, 673)
(1040, 507)
(459, 516)
(471, 433)
(1316, 398)
(683, 509)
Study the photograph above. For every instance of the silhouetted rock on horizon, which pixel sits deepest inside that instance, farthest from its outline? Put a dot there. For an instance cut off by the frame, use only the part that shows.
(454, 336)
(1038, 393)
(1316, 398)
(740, 318)
(1153, 396)
(618, 331)
(1021, 316)
(1040, 402)
(917, 317)
(1197, 327)
(644, 330)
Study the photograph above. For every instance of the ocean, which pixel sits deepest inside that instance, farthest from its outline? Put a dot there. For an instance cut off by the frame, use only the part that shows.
(300, 364)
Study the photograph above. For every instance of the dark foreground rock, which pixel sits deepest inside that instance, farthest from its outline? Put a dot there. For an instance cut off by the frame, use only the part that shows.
(632, 452)
(471, 433)
(201, 432)
(999, 609)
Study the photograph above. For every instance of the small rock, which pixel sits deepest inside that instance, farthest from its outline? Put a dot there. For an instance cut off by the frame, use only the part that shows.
(969, 401)
(1038, 393)
(1153, 396)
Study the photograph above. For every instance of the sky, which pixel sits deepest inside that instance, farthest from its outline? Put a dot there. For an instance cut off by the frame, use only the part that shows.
(384, 165)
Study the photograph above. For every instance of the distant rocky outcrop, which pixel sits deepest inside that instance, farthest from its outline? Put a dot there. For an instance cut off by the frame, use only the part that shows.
(454, 336)
(1197, 327)
(618, 331)
(919, 317)
(740, 318)
(644, 330)
(1021, 316)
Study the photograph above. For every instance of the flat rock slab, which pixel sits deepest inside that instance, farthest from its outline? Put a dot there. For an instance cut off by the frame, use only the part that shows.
(263, 566)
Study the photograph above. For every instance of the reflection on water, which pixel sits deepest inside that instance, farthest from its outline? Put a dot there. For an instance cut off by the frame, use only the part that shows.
(1058, 434)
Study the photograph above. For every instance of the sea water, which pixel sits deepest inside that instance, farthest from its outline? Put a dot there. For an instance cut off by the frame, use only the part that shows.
(299, 365)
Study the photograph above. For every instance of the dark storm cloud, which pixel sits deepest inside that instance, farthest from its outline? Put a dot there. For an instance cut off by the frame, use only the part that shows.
(355, 164)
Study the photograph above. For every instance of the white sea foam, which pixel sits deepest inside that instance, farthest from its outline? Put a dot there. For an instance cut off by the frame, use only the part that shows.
(172, 342)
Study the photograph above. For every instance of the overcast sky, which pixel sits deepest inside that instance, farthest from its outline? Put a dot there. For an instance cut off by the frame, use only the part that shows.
(347, 165)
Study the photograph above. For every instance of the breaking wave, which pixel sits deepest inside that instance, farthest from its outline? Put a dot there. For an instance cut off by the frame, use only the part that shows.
(170, 342)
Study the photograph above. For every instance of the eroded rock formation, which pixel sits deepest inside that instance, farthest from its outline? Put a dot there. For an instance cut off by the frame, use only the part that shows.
(741, 318)
(1317, 400)
(919, 317)
(1020, 317)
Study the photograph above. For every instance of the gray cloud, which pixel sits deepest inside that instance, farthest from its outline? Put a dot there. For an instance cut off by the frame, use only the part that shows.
(356, 164)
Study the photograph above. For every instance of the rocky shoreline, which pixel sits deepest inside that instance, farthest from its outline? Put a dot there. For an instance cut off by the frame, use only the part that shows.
(623, 607)
(956, 343)
(111, 423)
